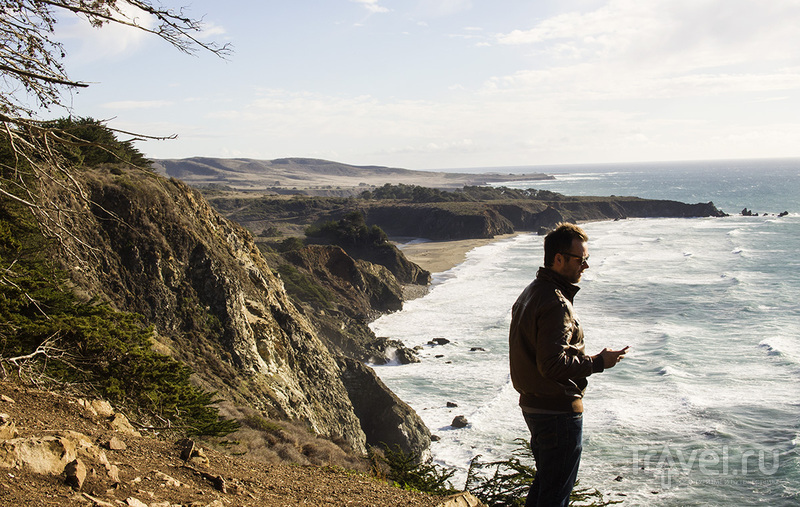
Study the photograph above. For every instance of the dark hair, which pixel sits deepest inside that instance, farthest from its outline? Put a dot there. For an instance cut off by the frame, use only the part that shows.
(560, 240)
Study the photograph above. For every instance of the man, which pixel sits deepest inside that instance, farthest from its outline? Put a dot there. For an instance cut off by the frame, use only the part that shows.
(549, 366)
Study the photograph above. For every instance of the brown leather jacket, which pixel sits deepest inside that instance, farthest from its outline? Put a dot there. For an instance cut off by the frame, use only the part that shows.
(546, 350)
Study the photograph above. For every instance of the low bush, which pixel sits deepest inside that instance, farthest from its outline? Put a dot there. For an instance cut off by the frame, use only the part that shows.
(508, 481)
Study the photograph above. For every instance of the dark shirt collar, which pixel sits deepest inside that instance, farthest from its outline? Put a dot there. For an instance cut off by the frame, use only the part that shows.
(568, 289)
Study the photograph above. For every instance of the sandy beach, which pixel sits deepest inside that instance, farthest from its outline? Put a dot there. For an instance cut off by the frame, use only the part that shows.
(438, 256)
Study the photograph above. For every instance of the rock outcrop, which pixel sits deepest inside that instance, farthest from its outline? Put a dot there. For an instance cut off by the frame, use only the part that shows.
(158, 249)
(382, 417)
(367, 288)
(471, 220)
(439, 221)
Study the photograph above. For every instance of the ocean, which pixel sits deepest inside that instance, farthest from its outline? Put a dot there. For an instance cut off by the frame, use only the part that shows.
(705, 409)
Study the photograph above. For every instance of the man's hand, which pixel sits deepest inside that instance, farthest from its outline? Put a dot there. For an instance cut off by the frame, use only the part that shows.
(612, 357)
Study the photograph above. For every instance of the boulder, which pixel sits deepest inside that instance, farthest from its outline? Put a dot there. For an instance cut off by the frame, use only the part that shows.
(459, 421)
(41, 455)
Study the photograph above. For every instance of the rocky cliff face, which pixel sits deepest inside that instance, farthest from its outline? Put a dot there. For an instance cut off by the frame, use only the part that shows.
(155, 247)
(439, 221)
(450, 221)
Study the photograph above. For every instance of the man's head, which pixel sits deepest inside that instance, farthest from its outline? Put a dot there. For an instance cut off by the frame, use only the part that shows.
(565, 251)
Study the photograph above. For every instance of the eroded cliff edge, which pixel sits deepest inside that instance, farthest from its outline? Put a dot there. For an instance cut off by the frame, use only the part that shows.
(155, 247)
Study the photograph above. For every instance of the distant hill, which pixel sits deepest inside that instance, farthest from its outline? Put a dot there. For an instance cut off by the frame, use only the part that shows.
(314, 176)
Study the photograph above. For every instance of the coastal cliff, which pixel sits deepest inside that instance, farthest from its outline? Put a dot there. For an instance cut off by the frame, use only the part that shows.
(155, 247)
(449, 220)
(452, 221)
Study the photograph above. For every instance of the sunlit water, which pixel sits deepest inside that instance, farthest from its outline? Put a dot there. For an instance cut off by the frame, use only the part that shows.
(705, 410)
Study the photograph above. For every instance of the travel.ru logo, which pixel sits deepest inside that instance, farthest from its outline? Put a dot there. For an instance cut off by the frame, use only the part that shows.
(708, 466)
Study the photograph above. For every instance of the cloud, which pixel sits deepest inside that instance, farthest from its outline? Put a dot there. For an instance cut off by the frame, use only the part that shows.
(87, 44)
(682, 36)
(371, 5)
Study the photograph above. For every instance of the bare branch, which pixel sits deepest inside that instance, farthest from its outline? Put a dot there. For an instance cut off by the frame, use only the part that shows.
(40, 77)
(47, 349)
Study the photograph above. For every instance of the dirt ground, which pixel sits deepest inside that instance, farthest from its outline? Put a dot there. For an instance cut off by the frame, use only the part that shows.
(151, 471)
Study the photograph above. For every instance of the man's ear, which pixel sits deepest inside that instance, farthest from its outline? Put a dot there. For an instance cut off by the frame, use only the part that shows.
(558, 260)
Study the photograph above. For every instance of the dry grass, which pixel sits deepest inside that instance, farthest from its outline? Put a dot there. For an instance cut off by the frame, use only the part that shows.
(270, 441)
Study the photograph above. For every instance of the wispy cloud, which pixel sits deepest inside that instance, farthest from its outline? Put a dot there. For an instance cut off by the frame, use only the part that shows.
(109, 41)
(682, 36)
(371, 5)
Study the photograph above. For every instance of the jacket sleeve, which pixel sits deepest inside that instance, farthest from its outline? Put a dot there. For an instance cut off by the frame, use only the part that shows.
(557, 357)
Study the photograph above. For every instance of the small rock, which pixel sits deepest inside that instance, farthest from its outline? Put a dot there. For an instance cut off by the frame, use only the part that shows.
(217, 481)
(450, 404)
(435, 438)
(102, 407)
(112, 472)
(6, 399)
(477, 349)
(115, 444)
(199, 459)
(464, 499)
(8, 429)
(439, 341)
(169, 481)
(459, 421)
(134, 502)
(76, 474)
(192, 454)
(121, 424)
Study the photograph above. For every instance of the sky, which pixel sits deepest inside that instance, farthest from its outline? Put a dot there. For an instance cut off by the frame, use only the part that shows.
(444, 84)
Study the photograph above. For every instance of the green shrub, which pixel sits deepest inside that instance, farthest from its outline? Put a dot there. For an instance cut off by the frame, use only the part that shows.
(509, 480)
(88, 345)
(408, 471)
(89, 143)
(351, 230)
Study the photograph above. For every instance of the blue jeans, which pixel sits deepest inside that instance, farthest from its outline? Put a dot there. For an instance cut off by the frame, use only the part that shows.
(556, 442)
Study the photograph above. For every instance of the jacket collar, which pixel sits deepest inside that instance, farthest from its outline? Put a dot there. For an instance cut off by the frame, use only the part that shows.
(548, 275)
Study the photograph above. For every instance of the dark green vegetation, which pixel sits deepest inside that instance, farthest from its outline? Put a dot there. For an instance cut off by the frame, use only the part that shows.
(89, 143)
(496, 483)
(418, 194)
(50, 336)
(507, 481)
(350, 231)
(410, 472)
